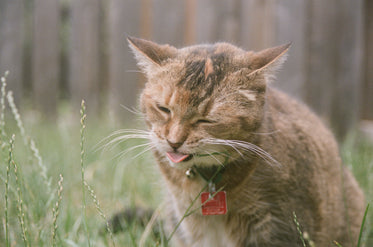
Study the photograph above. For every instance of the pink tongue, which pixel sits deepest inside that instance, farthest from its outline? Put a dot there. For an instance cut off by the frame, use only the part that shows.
(176, 157)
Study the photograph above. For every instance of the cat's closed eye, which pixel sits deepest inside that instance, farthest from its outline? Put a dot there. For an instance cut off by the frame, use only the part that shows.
(201, 121)
(164, 109)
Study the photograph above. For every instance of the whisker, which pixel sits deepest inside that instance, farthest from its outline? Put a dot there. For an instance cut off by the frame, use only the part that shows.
(224, 142)
(148, 146)
(120, 139)
(144, 151)
(259, 151)
(211, 152)
(266, 133)
(205, 152)
(239, 146)
(135, 71)
(119, 136)
(213, 156)
(126, 151)
(132, 110)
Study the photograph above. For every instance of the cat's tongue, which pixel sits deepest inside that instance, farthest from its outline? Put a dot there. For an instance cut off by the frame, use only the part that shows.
(177, 157)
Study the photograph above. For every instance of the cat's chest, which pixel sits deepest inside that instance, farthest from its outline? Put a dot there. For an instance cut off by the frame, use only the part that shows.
(199, 230)
(208, 231)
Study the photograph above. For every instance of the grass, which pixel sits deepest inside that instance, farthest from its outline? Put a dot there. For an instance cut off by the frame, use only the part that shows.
(57, 190)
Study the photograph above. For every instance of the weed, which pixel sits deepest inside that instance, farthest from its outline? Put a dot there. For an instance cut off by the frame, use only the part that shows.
(299, 230)
(21, 213)
(56, 210)
(83, 117)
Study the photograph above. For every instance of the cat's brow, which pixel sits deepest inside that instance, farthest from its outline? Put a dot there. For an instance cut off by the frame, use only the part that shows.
(202, 80)
(205, 107)
(249, 94)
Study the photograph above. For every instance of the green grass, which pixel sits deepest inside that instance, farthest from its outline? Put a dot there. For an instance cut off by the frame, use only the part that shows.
(57, 190)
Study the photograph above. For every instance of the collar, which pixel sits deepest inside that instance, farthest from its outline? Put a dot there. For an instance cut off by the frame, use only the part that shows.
(212, 174)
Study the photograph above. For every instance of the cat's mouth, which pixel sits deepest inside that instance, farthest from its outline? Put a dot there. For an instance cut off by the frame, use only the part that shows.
(177, 157)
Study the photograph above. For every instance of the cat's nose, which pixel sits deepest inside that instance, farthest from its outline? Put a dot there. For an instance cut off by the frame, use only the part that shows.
(175, 145)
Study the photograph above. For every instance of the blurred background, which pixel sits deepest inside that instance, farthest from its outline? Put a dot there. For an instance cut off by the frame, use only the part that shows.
(60, 51)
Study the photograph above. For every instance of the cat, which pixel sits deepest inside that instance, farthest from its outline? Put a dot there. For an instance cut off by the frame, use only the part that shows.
(267, 166)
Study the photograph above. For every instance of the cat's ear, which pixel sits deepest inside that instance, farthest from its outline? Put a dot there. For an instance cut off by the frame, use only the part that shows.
(149, 54)
(269, 60)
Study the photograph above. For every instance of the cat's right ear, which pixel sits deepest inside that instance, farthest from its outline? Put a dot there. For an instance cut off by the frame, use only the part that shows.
(150, 55)
(269, 60)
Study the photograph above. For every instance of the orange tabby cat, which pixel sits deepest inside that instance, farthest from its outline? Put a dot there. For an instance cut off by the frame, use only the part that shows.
(260, 158)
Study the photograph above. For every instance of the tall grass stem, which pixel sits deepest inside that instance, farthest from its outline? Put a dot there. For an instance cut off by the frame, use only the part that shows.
(21, 213)
(30, 143)
(2, 114)
(83, 117)
(17, 116)
(100, 211)
(11, 145)
(56, 210)
(298, 229)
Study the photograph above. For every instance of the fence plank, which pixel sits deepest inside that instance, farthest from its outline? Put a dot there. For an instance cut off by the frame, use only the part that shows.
(257, 24)
(218, 21)
(168, 26)
(190, 21)
(322, 52)
(207, 14)
(346, 89)
(84, 53)
(290, 25)
(45, 57)
(123, 73)
(367, 89)
(334, 61)
(11, 44)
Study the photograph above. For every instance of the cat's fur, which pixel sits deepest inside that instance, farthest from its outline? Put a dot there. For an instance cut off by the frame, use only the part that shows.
(282, 160)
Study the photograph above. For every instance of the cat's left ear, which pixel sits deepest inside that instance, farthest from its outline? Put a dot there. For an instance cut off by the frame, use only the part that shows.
(150, 55)
(268, 60)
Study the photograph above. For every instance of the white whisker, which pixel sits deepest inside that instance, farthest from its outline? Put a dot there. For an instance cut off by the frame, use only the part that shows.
(210, 154)
(240, 146)
(120, 139)
(144, 151)
(266, 133)
(126, 151)
(120, 136)
(224, 142)
(133, 110)
(135, 71)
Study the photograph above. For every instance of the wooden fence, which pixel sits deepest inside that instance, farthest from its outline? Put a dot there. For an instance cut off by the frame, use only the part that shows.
(60, 49)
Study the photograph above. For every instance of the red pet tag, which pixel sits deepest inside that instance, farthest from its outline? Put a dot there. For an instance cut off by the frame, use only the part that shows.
(214, 205)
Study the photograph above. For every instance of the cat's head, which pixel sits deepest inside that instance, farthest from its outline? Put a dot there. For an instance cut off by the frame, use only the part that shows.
(203, 103)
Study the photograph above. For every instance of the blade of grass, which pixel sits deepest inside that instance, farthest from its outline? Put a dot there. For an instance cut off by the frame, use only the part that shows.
(186, 214)
(189, 210)
(338, 244)
(362, 226)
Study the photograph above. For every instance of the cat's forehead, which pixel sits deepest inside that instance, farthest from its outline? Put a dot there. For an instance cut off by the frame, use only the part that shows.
(195, 75)
(206, 50)
(201, 69)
